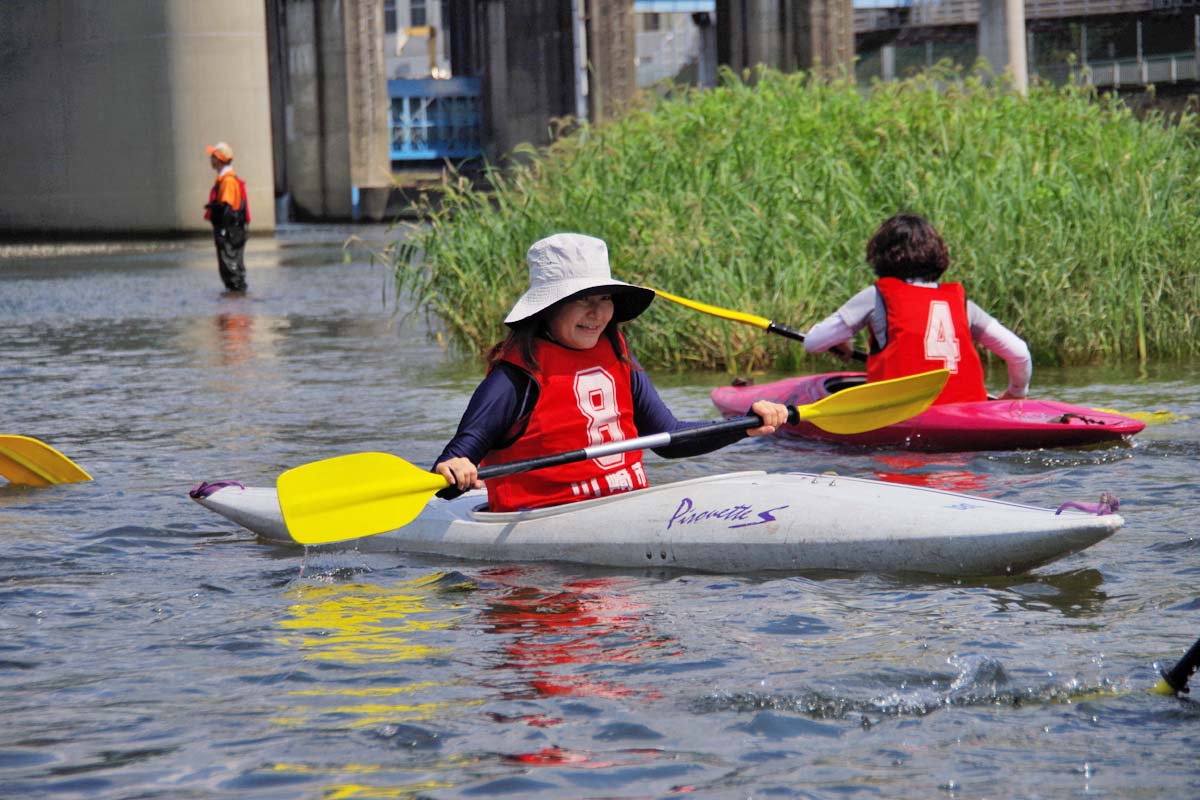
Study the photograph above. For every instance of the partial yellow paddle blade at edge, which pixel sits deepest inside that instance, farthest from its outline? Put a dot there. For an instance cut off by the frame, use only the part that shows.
(1160, 417)
(355, 495)
(33, 462)
(716, 311)
(876, 405)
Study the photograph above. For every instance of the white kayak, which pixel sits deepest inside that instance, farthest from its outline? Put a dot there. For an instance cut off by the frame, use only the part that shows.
(738, 522)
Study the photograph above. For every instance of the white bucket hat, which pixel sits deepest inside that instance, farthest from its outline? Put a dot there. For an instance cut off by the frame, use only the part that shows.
(568, 264)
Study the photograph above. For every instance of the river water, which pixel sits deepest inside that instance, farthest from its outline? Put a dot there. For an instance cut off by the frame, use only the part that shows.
(150, 649)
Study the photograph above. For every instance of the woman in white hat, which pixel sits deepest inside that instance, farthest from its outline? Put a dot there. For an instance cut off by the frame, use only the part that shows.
(564, 379)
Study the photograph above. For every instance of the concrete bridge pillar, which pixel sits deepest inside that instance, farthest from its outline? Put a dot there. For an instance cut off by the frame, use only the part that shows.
(612, 55)
(542, 59)
(1001, 39)
(788, 35)
(108, 108)
(332, 95)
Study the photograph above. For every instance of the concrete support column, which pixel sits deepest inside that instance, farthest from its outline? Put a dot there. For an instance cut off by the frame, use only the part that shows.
(528, 70)
(887, 62)
(787, 34)
(527, 51)
(611, 46)
(749, 32)
(108, 108)
(1001, 39)
(707, 68)
(579, 34)
(370, 130)
(337, 127)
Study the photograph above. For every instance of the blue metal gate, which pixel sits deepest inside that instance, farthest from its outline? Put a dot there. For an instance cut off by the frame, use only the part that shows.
(435, 118)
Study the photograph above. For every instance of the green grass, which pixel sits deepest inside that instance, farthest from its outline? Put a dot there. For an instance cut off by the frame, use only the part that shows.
(1069, 219)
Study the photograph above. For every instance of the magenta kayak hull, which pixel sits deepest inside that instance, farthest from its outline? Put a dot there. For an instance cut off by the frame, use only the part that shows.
(951, 427)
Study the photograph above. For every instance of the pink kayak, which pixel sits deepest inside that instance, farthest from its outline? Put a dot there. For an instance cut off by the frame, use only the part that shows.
(985, 425)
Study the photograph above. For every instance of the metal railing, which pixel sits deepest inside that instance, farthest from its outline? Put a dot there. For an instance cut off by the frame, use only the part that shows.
(1157, 69)
(951, 12)
(433, 119)
(966, 12)
(1151, 69)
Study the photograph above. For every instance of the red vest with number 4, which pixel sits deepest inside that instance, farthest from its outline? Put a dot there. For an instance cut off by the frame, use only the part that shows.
(585, 398)
(927, 328)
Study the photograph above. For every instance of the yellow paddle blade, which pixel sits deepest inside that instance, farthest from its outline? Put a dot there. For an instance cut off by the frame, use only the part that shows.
(1160, 417)
(876, 405)
(716, 311)
(35, 463)
(354, 495)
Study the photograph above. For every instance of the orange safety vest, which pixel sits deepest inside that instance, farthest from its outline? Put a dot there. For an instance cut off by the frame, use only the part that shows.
(927, 328)
(227, 189)
(585, 398)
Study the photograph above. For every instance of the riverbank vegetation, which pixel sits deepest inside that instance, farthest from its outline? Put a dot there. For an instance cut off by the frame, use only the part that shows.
(1068, 218)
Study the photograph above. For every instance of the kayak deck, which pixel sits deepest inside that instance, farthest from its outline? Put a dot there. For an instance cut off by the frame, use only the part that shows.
(734, 523)
(951, 427)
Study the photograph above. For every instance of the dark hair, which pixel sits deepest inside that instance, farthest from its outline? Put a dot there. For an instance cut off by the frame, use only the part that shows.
(523, 334)
(906, 246)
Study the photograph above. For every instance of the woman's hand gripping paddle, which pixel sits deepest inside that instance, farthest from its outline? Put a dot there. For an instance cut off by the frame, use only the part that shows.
(749, 319)
(363, 494)
(35, 463)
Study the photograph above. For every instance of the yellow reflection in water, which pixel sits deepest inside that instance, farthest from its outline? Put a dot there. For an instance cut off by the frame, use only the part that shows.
(360, 624)
(368, 625)
(351, 791)
(346, 791)
(377, 631)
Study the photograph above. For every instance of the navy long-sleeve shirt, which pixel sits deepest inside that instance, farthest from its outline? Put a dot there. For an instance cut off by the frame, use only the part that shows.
(502, 403)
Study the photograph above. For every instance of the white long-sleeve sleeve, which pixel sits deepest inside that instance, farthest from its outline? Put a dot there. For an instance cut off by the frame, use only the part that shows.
(827, 333)
(841, 325)
(985, 330)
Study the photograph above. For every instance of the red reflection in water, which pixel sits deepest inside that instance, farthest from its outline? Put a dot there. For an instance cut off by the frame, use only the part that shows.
(556, 756)
(916, 472)
(557, 635)
(233, 336)
(555, 641)
(532, 720)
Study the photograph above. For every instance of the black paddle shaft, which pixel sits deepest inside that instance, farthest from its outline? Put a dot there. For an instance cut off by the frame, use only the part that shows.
(1177, 677)
(625, 445)
(789, 333)
(621, 446)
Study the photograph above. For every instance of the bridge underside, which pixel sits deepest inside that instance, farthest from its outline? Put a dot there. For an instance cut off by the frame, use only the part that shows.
(311, 112)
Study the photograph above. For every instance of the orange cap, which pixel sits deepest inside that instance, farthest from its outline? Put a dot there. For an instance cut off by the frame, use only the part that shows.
(222, 151)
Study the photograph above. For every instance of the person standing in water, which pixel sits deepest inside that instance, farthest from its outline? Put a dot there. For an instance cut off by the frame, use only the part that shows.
(229, 212)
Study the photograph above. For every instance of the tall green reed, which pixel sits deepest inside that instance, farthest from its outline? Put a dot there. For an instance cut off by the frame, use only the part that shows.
(1068, 218)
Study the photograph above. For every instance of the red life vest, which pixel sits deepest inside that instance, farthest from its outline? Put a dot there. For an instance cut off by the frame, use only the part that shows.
(585, 398)
(927, 328)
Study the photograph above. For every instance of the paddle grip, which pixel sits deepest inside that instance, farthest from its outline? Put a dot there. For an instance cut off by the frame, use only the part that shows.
(785, 331)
